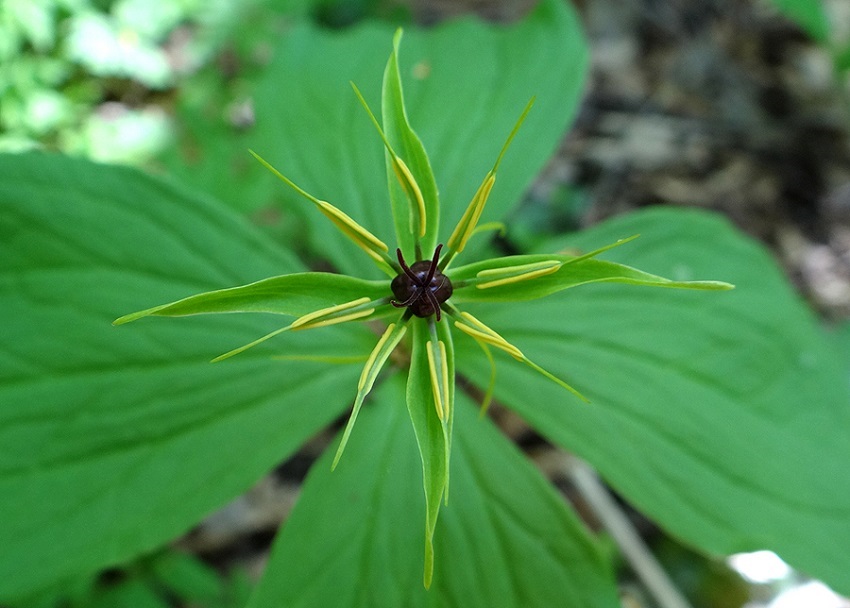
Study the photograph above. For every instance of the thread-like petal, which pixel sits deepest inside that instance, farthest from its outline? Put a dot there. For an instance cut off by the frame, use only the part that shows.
(360, 236)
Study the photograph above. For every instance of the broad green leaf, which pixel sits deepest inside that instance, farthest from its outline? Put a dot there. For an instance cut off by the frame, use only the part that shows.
(114, 440)
(505, 538)
(723, 416)
(809, 15)
(840, 338)
(293, 294)
(528, 277)
(842, 58)
(465, 83)
(431, 436)
(132, 593)
(187, 577)
(409, 206)
(467, 225)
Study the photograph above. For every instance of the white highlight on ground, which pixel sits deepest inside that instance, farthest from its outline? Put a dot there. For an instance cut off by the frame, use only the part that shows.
(760, 566)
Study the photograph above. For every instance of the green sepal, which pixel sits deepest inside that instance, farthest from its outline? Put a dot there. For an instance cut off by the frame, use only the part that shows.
(441, 332)
(432, 435)
(572, 272)
(377, 358)
(409, 148)
(291, 294)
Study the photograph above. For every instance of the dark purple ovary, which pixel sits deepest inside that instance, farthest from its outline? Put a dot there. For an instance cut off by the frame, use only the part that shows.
(412, 294)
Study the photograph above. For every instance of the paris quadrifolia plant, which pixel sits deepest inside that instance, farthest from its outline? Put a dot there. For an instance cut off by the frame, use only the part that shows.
(419, 306)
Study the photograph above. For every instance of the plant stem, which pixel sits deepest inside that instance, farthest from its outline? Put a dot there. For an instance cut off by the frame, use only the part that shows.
(631, 545)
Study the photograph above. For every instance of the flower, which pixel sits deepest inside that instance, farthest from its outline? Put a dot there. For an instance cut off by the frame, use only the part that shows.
(423, 295)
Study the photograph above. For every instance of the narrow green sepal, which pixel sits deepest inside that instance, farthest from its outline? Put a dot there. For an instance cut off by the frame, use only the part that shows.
(358, 309)
(291, 294)
(484, 335)
(244, 347)
(374, 247)
(528, 277)
(378, 357)
(433, 433)
(412, 187)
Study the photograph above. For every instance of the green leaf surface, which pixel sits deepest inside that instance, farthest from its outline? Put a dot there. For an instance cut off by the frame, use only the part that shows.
(505, 539)
(465, 82)
(570, 274)
(292, 294)
(723, 416)
(186, 577)
(132, 593)
(840, 337)
(809, 15)
(374, 364)
(842, 58)
(115, 440)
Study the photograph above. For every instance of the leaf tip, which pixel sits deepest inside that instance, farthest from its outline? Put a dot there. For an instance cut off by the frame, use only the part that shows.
(133, 316)
(339, 451)
(428, 574)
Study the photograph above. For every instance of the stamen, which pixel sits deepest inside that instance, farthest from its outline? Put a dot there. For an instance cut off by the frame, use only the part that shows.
(515, 274)
(325, 312)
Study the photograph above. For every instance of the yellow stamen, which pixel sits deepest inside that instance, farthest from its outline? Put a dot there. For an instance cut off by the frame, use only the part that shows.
(479, 331)
(482, 333)
(411, 188)
(364, 239)
(401, 170)
(366, 374)
(435, 383)
(466, 226)
(352, 228)
(478, 324)
(379, 355)
(444, 366)
(518, 273)
(309, 321)
(439, 379)
(335, 320)
(324, 312)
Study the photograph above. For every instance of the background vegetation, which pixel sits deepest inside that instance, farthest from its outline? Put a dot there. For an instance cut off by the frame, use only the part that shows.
(748, 121)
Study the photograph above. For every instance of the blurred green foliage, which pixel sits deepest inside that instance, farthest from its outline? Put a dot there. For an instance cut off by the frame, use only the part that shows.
(162, 580)
(98, 78)
(817, 20)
